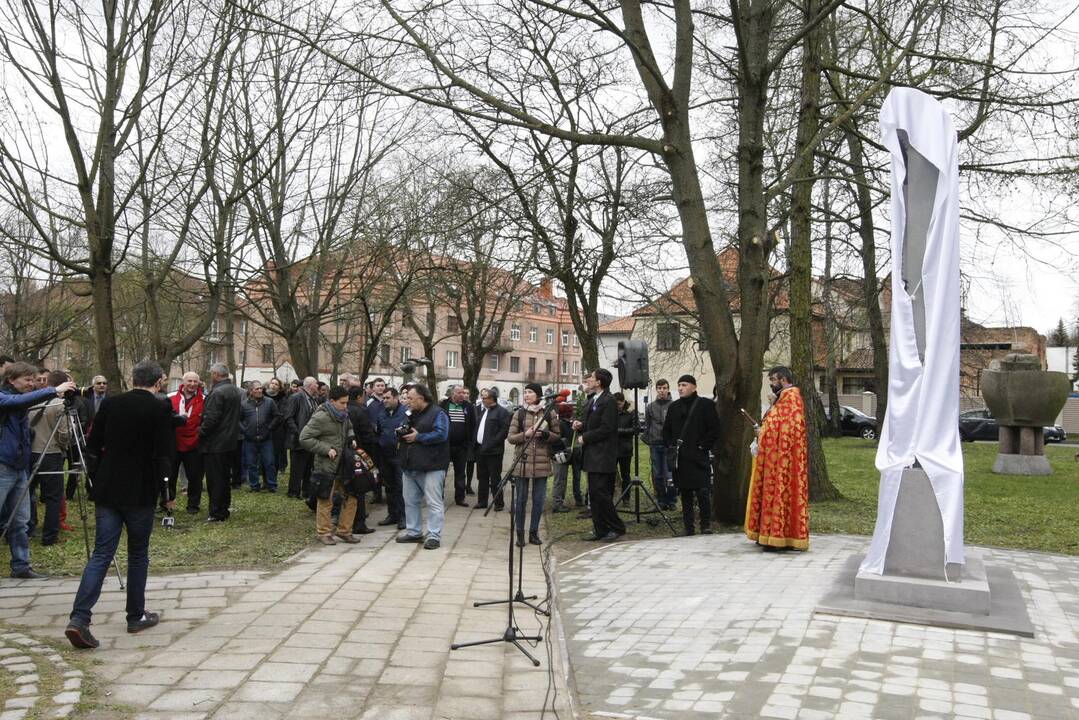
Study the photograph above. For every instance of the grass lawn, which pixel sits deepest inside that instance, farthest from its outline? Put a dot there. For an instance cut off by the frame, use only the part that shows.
(264, 529)
(1035, 513)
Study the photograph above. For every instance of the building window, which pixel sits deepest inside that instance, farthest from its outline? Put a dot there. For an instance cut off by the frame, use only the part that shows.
(533, 333)
(550, 337)
(575, 342)
(267, 353)
(855, 385)
(536, 308)
(531, 367)
(384, 353)
(215, 331)
(494, 361)
(452, 324)
(406, 353)
(565, 367)
(550, 310)
(548, 366)
(701, 344)
(515, 332)
(565, 338)
(576, 368)
(215, 356)
(668, 336)
(515, 364)
(451, 359)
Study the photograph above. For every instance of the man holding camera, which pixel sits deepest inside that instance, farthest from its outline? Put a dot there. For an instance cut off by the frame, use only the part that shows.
(47, 455)
(425, 454)
(690, 431)
(131, 442)
(16, 396)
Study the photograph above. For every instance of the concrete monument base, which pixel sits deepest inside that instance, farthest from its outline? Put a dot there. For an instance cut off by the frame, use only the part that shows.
(968, 594)
(1008, 464)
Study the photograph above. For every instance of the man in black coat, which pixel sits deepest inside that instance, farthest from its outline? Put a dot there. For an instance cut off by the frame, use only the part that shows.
(492, 429)
(298, 409)
(598, 436)
(217, 439)
(132, 437)
(690, 431)
(462, 416)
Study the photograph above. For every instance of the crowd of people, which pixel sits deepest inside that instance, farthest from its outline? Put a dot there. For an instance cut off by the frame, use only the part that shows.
(343, 443)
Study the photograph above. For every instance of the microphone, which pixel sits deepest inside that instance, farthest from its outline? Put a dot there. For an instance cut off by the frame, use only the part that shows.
(557, 396)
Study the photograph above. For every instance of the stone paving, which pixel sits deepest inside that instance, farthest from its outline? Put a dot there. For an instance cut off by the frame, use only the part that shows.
(345, 631)
(711, 627)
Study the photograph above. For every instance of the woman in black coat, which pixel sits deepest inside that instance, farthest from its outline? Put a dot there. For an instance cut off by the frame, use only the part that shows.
(690, 431)
(626, 421)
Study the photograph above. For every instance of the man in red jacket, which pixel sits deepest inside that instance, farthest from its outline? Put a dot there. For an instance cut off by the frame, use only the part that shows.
(188, 401)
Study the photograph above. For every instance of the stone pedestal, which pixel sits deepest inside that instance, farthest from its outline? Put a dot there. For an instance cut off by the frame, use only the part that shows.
(915, 573)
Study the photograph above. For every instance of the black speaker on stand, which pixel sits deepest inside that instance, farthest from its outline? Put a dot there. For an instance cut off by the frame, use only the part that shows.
(632, 364)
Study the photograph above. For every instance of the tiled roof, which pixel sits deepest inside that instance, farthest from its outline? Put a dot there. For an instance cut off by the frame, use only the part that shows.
(620, 326)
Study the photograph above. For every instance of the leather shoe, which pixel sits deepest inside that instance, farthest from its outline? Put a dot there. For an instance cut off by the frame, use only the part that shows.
(462, 503)
(350, 539)
(520, 540)
(410, 538)
(593, 536)
(431, 544)
(386, 521)
(80, 636)
(29, 574)
(362, 531)
(148, 620)
(610, 537)
(327, 540)
(533, 539)
(481, 506)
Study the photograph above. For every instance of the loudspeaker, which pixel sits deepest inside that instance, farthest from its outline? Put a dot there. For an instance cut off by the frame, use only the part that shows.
(632, 364)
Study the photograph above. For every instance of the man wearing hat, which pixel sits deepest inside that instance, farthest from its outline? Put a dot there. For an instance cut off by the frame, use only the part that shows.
(690, 431)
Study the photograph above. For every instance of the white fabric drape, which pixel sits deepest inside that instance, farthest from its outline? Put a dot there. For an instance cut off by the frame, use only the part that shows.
(922, 419)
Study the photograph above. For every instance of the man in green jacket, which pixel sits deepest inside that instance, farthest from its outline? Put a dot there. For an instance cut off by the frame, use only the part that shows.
(325, 435)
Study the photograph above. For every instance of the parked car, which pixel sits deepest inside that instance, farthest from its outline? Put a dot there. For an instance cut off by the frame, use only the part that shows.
(981, 425)
(855, 422)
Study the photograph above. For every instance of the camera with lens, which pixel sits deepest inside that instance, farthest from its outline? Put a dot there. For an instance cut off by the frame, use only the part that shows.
(404, 429)
(69, 397)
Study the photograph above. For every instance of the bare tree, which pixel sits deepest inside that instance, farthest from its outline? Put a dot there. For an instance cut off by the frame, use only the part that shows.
(90, 78)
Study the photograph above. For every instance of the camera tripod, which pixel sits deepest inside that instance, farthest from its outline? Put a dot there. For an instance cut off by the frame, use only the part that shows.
(513, 634)
(636, 485)
(70, 415)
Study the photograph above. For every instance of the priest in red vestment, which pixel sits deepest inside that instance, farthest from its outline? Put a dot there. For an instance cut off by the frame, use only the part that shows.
(777, 513)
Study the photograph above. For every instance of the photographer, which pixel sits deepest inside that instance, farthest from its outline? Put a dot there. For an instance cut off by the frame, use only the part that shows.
(328, 436)
(425, 454)
(16, 395)
(690, 431)
(132, 439)
(49, 451)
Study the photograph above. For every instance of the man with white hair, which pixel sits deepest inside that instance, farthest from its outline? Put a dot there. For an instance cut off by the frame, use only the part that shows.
(217, 439)
(188, 401)
(298, 409)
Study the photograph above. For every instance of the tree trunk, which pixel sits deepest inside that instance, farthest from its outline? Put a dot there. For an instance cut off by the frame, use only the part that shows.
(471, 373)
(801, 258)
(871, 285)
(830, 335)
(105, 328)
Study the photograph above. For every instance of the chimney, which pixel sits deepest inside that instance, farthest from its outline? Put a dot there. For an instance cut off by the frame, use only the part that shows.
(546, 288)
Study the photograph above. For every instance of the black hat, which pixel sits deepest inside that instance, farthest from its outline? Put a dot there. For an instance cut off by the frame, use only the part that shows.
(536, 388)
(688, 379)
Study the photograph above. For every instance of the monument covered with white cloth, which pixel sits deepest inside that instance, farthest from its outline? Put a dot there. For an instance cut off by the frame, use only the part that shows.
(916, 568)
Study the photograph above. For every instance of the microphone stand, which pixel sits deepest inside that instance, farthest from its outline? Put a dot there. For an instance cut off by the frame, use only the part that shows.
(512, 633)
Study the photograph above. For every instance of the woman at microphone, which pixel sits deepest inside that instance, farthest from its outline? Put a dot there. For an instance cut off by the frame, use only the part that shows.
(532, 429)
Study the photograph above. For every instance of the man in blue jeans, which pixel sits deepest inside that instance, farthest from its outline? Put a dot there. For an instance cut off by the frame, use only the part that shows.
(16, 395)
(654, 415)
(425, 455)
(131, 439)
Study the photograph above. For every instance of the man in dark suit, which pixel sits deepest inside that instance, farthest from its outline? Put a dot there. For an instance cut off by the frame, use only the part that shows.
(217, 439)
(298, 409)
(492, 428)
(132, 438)
(598, 436)
(95, 395)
